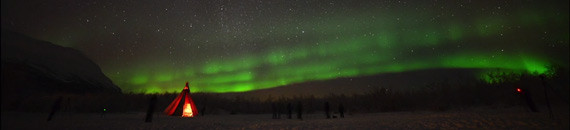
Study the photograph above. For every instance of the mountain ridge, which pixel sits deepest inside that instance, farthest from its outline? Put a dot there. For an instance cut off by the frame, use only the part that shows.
(41, 65)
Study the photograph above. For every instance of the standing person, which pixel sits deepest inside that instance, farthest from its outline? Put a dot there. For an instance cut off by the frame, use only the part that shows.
(54, 108)
(327, 110)
(279, 110)
(103, 112)
(150, 109)
(203, 110)
(274, 108)
(525, 95)
(289, 110)
(300, 111)
(341, 110)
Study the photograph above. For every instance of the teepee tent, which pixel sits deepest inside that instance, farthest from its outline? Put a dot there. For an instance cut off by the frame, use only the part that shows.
(188, 109)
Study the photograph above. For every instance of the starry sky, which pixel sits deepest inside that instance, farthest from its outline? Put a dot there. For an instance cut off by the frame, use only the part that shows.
(148, 46)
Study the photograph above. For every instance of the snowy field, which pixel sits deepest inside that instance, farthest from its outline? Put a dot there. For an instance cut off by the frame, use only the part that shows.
(513, 118)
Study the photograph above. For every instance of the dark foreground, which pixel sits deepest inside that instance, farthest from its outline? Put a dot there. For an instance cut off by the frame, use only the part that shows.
(511, 118)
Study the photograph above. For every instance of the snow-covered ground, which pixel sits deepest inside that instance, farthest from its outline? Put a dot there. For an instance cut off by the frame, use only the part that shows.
(513, 118)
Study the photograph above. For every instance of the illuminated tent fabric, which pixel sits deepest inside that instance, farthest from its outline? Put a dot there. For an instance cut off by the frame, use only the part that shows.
(188, 109)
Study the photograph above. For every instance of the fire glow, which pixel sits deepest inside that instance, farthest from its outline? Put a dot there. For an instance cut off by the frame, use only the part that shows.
(187, 111)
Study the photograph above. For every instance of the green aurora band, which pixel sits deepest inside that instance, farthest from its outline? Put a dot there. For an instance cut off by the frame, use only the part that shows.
(346, 47)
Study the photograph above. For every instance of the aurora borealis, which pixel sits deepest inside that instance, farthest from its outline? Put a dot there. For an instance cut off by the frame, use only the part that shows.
(234, 46)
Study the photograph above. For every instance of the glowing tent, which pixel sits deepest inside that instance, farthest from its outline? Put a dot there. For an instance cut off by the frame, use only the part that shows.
(188, 109)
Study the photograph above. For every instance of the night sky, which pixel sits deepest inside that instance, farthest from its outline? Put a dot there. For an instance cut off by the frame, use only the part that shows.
(240, 45)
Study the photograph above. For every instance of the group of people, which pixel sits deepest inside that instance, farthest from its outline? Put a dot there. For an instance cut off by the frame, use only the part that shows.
(340, 110)
(277, 111)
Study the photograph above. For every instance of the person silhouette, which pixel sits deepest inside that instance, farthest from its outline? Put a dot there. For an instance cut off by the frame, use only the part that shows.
(289, 110)
(525, 95)
(274, 108)
(103, 112)
(279, 110)
(300, 111)
(54, 108)
(327, 110)
(202, 111)
(150, 110)
(341, 110)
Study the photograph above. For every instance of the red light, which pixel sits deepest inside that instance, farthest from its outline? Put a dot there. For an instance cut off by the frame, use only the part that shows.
(519, 90)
